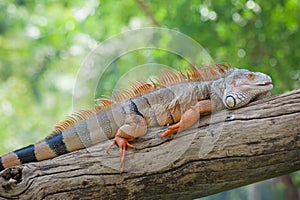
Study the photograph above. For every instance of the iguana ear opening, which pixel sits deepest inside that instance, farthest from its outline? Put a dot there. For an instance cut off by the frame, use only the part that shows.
(229, 102)
(233, 100)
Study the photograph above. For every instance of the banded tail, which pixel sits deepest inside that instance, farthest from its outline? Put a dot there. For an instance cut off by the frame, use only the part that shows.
(79, 130)
(49, 148)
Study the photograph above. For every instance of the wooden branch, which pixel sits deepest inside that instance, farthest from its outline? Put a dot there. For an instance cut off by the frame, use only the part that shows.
(229, 149)
(147, 11)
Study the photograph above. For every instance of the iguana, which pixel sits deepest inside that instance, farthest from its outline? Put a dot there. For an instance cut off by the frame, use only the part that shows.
(177, 98)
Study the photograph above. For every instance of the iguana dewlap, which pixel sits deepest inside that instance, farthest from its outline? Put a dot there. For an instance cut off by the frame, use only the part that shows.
(177, 98)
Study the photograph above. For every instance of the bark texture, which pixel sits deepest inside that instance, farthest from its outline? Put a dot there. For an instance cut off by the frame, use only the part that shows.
(225, 150)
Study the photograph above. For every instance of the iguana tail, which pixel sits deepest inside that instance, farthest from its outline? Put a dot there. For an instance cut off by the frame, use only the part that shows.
(49, 148)
(75, 132)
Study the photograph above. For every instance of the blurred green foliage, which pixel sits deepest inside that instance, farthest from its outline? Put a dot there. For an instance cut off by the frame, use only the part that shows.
(44, 43)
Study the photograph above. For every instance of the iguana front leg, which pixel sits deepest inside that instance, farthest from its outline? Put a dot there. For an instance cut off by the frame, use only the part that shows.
(134, 126)
(190, 117)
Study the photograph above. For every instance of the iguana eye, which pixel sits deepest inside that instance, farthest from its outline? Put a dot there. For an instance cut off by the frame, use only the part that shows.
(250, 76)
(230, 101)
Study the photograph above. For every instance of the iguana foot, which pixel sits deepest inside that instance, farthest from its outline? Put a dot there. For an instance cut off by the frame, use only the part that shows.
(186, 121)
(171, 130)
(135, 126)
(122, 144)
(190, 117)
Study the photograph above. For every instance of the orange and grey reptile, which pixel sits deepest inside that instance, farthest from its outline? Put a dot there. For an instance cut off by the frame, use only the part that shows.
(177, 98)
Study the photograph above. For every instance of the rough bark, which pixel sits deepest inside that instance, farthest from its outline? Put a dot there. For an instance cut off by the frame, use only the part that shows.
(227, 149)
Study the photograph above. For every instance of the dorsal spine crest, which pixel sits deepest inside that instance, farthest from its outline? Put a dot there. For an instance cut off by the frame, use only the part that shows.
(169, 77)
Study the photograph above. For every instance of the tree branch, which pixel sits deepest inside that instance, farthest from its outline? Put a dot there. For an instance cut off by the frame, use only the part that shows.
(147, 11)
(228, 149)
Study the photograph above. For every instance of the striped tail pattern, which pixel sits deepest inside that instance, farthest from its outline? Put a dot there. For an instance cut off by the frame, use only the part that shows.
(49, 148)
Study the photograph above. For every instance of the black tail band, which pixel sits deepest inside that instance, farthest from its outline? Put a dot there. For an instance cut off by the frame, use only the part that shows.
(1, 165)
(26, 154)
(57, 144)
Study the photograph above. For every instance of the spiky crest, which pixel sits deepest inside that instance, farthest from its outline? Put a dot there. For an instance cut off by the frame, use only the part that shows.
(70, 121)
(170, 77)
(139, 88)
(102, 103)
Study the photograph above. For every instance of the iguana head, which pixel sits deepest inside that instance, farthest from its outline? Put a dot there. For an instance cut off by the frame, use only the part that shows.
(243, 86)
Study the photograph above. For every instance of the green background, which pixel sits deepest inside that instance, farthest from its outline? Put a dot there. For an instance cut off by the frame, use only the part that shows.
(44, 43)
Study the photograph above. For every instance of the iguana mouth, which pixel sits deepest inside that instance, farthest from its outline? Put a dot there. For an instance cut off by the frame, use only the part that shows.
(264, 84)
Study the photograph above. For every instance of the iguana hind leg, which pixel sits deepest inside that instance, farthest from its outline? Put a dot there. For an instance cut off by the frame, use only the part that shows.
(189, 117)
(134, 126)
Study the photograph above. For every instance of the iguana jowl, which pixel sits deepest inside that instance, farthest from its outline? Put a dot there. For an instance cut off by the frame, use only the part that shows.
(176, 98)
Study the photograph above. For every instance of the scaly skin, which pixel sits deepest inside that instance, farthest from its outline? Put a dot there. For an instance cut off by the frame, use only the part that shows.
(180, 103)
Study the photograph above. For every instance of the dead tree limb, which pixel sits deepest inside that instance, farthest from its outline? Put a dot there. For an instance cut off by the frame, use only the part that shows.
(228, 149)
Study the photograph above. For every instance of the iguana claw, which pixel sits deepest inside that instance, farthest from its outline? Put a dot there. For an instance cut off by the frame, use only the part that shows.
(171, 130)
(122, 144)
